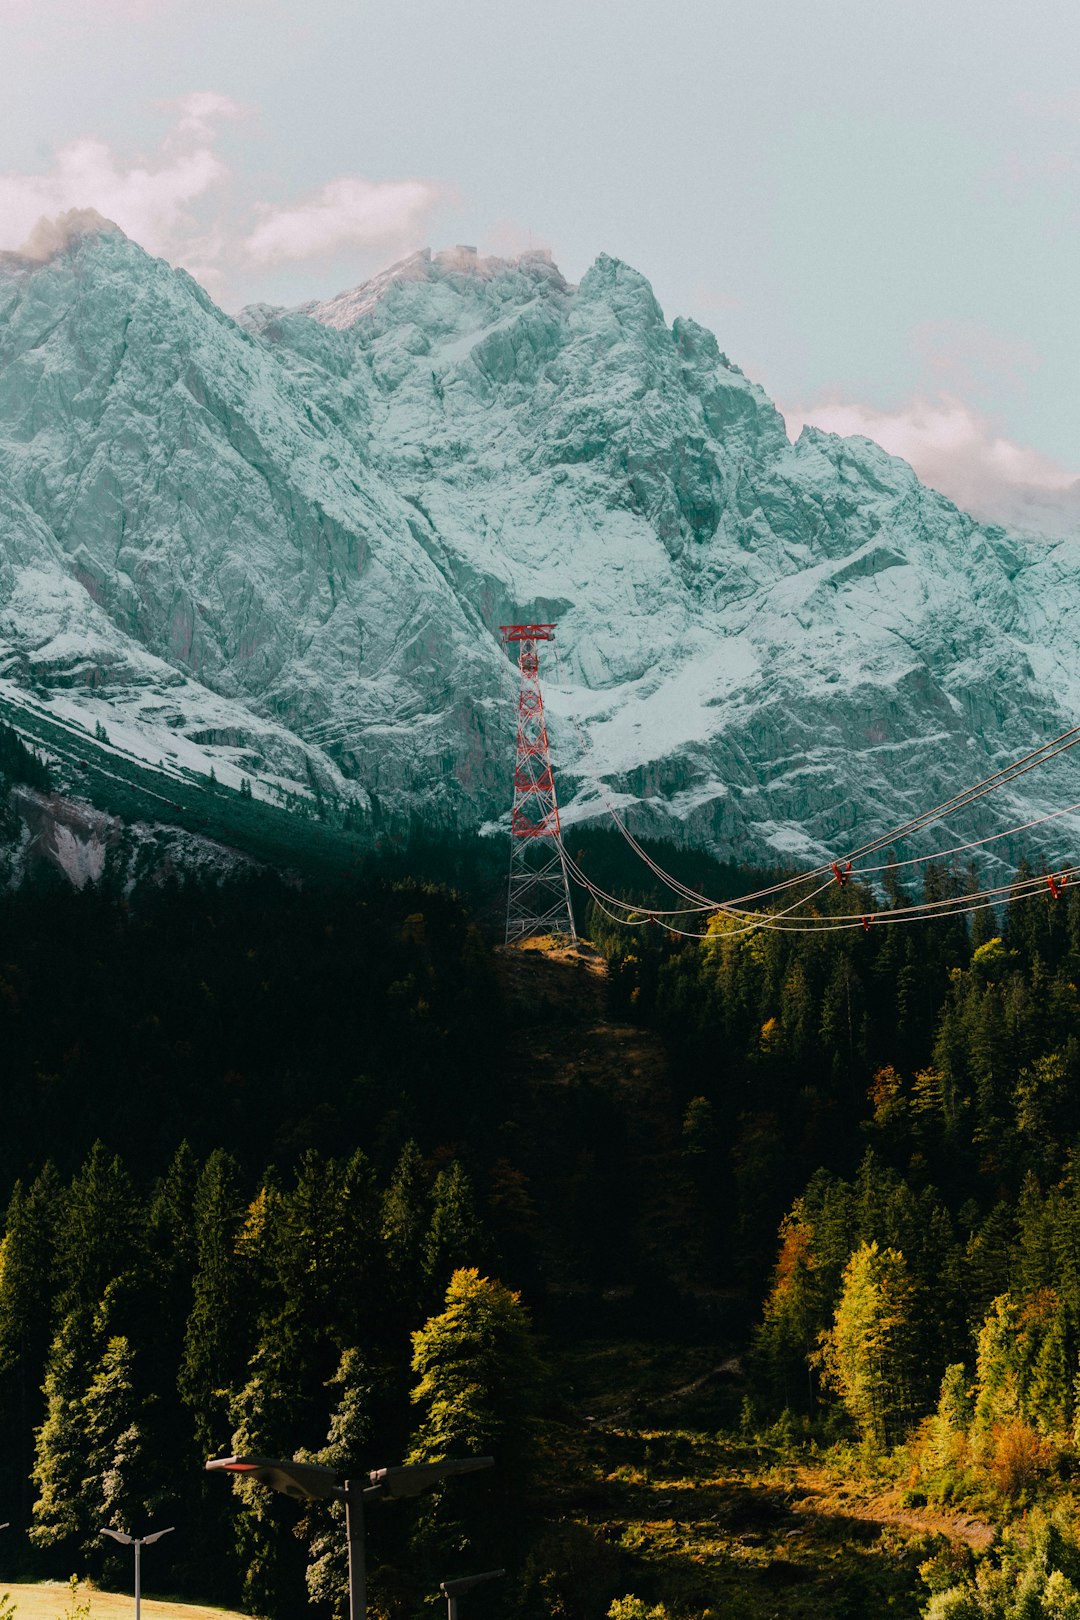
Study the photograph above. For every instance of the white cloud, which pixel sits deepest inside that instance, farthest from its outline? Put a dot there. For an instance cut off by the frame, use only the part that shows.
(180, 202)
(347, 212)
(200, 110)
(150, 200)
(507, 239)
(957, 450)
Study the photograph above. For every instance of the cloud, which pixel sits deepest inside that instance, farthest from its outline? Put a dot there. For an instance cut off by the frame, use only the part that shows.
(957, 450)
(200, 111)
(181, 202)
(347, 212)
(507, 239)
(150, 199)
(965, 360)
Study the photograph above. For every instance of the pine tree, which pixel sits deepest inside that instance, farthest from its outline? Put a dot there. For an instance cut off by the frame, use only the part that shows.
(26, 1317)
(165, 1283)
(356, 1388)
(454, 1238)
(123, 1484)
(268, 1417)
(97, 1232)
(793, 1312)
(404, 1226)
(999, 1366)
(213, 1350)
(480, 1375)
(480, 1387)
(60, 1458)
(360, 1285)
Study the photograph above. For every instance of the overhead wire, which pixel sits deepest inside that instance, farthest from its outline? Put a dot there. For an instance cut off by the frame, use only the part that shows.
(839, 870)
(1049, 750)
(925, 911)
(891, 866)
(1028, 762)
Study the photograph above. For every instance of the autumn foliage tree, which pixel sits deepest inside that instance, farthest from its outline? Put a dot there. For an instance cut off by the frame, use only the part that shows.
(869, 1353)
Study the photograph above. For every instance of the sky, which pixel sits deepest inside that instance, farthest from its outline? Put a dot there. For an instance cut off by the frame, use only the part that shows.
(875, 207)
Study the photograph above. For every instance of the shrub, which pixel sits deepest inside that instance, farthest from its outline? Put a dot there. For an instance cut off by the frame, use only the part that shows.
(1015, 1457)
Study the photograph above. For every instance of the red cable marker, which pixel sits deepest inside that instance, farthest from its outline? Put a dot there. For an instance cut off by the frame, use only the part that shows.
(1057, 887)
(866, 924)
(841, 875)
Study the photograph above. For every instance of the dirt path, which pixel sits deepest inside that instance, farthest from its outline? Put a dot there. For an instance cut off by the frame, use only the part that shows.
(814, 1492)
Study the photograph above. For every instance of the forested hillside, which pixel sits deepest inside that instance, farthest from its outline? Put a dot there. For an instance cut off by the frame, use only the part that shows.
(306, 1170)
(902, 1108)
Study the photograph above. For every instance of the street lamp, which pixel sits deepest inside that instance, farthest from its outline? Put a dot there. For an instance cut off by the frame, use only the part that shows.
(311, 1482)
(452, 1590)
(138, 1542)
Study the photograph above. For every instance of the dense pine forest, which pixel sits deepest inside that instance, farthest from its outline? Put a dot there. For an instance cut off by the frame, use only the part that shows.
(313, 1170)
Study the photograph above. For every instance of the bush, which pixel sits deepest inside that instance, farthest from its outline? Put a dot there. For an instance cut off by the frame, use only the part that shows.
(1015, 1457)
(632, 1608)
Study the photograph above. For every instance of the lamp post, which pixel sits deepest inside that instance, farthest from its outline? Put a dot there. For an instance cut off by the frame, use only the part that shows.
(311, 1482)
(138, 1542)
(452, 1590)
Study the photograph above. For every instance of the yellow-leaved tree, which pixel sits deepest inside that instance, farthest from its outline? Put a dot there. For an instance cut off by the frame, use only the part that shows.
(868, 1355)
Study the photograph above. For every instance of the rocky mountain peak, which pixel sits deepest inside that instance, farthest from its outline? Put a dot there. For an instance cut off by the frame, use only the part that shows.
(284, 547)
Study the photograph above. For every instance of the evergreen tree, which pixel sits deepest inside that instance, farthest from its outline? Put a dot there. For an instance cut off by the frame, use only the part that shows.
(356, 1388)
(123, 1485)
(268, 1416)
(213, 1350)
(60, 1510)
(97, 1232)
(480, 1376)
(361, 1284)
(404, 1226)
(793, 1313)
(454, 1238)
(26, 1317)
(480, 1388)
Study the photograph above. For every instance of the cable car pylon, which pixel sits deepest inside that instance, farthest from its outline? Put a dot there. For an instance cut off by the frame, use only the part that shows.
(538, 891)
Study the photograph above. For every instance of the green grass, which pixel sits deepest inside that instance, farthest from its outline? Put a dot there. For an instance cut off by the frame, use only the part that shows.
(688, 1514)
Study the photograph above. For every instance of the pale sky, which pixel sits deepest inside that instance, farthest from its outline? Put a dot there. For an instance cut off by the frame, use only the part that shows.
(875, 207)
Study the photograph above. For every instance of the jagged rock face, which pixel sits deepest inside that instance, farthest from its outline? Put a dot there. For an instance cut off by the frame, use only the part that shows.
(302, 530)
(59, 837)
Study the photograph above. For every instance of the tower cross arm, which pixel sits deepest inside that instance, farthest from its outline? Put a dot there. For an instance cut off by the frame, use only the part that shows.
(527, 632)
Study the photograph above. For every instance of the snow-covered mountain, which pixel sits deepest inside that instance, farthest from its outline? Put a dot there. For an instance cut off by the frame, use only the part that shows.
(283, 545)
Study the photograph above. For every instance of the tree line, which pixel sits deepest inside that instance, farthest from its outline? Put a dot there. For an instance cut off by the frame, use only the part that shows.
(903, 1108)
(323, 1315)
(258, 1137)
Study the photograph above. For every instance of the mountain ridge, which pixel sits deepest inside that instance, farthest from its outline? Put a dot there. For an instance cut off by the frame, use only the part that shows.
(298, 532)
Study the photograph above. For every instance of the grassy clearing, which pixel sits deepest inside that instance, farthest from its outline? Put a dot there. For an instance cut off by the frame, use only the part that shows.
(712, 1525)
(51, 1600)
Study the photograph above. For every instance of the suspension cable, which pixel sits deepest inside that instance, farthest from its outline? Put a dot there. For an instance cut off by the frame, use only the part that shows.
(998, 779)
(927, 911)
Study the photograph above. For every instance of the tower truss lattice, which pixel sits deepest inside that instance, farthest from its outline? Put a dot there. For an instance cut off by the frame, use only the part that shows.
(538, 894)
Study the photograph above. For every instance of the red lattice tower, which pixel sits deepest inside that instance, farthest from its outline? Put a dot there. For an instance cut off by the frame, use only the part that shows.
(538, 897)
